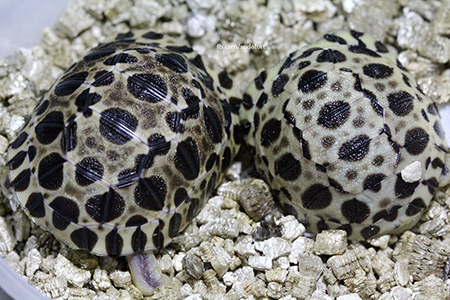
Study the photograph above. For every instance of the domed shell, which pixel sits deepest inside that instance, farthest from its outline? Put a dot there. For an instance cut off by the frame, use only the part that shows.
(123, 151)
(345, 137)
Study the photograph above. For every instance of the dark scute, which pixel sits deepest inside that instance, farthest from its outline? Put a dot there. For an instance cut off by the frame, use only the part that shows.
(86, 99)
(334, 114)
(262, 100)
(355, 211)
(226, 159)
(84, 238)
(173, 119)
(259, 81)
(153, 35)
(406, 80)
(432, 184)
(187, 159)
(355, 149)
(438, 163)
(308, 52)
(70, 84)
(312, 80)
(389, 215)
(401, 103)
(381, 47)
(321, 168)
(303, 64)
(106, 207)
(287, 63)
(415, 207)
(148, 87)
(305, 149)
(378, 71)
(374, 102)
(117, 125)
(362, 50)
(174, 225)
(181, 196)
(404, 189)
(35, 205)
(438, 129)
(193, 209)
(69, 139)
(88, 171)
(213, 124)
(150, 193)
(42, 107)
(399, 64)
(356, 34)
(424, 115)
(158, 236)
(121, 58)
(173, 61)
(31, 153)
(138, 240)
(113, 242)
(357, 85)
(225, 80)
(98, 53)
(416, 141)
(49, 128)
(373, 182)
(22, 181)
(331, 55)
(370, 231)
(17, 160)
(334, 184)
(211, 161)
(180, 49)
(19, 140)
(136, 220)
(65, 211)
(158, 145)
(270, 132)
(335, 39)
(322, 225)
(235, 105)
(288, 167)
(432, 109)
(278, 84)
(103, 78)
(316, 197)
(50, 172)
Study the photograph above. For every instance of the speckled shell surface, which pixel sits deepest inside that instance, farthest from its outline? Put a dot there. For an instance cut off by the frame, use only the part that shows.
(124, 149)
(333, 127)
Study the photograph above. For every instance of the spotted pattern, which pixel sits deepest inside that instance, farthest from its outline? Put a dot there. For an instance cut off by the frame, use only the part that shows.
(333, 126)
(123, 151)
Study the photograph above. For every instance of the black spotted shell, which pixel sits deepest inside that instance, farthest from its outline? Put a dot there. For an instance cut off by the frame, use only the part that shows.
(333, 127)
(123, 151)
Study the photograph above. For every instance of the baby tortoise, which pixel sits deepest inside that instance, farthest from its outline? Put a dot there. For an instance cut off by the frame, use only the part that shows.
(128, 144)
(346, 138)
(125, 149)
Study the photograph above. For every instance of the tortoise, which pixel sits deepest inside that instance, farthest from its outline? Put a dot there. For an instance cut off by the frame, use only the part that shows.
(124, 149)
(346, 138)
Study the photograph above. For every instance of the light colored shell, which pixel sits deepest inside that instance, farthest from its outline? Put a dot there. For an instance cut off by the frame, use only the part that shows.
(334, 125)
(124, 149)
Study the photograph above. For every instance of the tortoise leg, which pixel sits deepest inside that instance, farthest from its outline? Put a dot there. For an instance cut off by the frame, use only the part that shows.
(145, 271)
